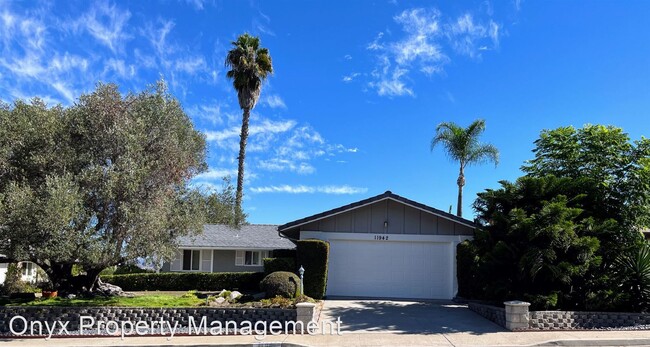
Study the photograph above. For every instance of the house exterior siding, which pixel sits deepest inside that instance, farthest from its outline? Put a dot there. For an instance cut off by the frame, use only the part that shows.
(401, 218)
(224, 261)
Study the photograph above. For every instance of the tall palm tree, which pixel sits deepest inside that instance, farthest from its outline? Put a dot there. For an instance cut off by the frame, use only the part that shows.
(462, 145)
(249, 66)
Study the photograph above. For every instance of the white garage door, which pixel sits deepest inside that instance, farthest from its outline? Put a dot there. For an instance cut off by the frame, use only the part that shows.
(398, 269)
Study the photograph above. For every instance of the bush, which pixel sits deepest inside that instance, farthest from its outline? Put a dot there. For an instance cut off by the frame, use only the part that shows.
(130, 269)
(466, 259)
(313, 257)
(186, 281)
(279, 264)
(284, 253)
(280, 283)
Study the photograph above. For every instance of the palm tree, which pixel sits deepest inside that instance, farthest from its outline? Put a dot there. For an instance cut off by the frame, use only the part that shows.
(462, 145)
(249, 66)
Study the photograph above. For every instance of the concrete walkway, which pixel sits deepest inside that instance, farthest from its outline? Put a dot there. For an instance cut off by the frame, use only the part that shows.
(384, 323)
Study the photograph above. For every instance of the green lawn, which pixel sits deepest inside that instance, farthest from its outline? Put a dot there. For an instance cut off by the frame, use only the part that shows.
(160, 300)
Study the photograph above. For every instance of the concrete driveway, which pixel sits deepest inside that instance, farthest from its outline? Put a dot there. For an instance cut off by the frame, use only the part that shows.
(406, 317)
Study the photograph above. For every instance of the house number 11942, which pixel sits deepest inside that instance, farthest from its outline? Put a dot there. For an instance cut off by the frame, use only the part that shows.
(381, 237)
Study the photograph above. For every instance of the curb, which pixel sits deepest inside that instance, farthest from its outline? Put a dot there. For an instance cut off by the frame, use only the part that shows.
(597, 342)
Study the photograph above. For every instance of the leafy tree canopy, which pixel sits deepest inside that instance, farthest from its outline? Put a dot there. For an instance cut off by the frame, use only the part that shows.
(604, 154)
(98, 183)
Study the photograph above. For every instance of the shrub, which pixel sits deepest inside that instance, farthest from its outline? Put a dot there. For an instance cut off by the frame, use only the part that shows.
(13, 281)
(280, 283)
(284, 253)
(279, 264)
(130, 269)
(186, 281)
(313, 257)
(278, 301)
(466, 259)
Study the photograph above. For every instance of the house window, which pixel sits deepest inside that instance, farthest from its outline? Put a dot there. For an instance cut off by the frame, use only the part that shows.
(250, 258)
(191, 260)
(28, 269)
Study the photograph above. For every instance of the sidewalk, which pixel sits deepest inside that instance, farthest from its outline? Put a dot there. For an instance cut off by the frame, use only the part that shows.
(567, 338)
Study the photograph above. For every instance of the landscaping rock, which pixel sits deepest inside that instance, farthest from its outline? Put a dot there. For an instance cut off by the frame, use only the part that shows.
(235, 295)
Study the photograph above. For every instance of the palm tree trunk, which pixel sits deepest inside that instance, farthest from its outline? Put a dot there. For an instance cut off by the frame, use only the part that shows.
(461, 183)
(243, 138)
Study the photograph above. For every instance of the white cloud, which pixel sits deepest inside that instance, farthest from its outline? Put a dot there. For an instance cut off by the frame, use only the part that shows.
(351, 77)
(190, 65)
(106, 23)
(303, 189)
(273, 101)
(464, 35)
(198, 4)
(119, 67)
(212, 112)
(427, 35)
(216, 173)
(265, 126)
(278, 164)
(347, 57)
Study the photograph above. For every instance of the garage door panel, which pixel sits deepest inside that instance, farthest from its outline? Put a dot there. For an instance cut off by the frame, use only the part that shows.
(390, 269)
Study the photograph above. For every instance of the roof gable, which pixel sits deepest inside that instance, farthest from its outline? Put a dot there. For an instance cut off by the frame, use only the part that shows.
(388, 195)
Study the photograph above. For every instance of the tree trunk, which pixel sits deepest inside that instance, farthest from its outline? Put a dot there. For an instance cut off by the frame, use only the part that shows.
(62, 280)
(243, 138)
(461, 183)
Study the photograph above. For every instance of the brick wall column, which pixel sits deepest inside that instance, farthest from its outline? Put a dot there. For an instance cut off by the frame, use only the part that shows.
(516, 315)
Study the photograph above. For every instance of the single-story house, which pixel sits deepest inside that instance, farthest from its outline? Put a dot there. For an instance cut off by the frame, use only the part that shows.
(387, 246)
(222, 248)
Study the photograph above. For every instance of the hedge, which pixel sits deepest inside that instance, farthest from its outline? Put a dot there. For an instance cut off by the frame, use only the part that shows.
(279, 264)
(242, 281)
(284, 253)
(466, 257)
(313, 257)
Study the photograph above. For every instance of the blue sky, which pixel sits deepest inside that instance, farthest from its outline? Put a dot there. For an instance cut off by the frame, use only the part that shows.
(358, 89)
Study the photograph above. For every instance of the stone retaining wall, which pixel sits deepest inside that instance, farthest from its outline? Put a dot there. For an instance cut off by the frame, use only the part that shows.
(558, 320)
(567, 320)
(493, 313)
(119, 314)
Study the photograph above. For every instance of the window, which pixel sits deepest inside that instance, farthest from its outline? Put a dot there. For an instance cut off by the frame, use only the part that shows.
(191, 260)
(28, 269)
(250, 258)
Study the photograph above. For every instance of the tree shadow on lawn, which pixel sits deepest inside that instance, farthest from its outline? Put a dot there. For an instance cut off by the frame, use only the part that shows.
(406, 317)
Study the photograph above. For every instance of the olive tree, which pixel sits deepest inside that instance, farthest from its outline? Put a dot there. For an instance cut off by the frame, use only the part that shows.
(98, 183)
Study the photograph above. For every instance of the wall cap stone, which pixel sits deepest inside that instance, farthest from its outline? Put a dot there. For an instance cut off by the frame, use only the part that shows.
(517, 303)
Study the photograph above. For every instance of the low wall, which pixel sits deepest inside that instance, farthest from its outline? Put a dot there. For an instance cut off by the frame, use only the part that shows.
(567, 320)
(120, 314)
(522, 319)
(493, 313)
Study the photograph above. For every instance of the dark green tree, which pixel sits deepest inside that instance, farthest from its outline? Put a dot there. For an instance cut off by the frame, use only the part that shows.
(249, 66)
(98, 183)
(534, 242)
(463, 145)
